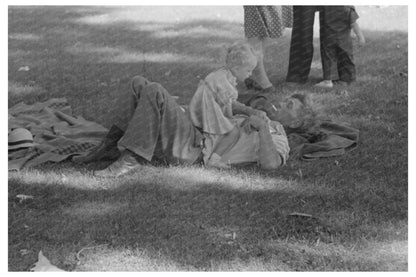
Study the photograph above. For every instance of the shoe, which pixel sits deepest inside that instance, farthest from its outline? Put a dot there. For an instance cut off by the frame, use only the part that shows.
(215, 161)
(125, 164)
(106, 150)
(325, 84)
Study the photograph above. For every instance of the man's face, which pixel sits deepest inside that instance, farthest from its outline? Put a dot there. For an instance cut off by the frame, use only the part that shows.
(289, 112)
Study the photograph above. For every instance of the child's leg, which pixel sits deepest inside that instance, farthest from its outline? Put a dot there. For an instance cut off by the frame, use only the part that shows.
(346, 66)
(227, 141)
(329, 58)
(223, 145)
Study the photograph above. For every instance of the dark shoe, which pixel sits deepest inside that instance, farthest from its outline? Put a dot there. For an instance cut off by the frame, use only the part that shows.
(106, 150)
(125, 164)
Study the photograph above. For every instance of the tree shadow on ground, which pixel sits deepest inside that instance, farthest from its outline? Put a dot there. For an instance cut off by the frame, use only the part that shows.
(205, 223)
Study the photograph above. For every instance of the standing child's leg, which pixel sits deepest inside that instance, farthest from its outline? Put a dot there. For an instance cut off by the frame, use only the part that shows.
(346, 66)
(329, 59)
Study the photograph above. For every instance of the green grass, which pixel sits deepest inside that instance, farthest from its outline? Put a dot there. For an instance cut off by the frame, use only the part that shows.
(191, 218)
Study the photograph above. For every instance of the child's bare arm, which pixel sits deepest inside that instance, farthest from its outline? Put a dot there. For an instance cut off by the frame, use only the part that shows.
(357, 30)
(239, 108)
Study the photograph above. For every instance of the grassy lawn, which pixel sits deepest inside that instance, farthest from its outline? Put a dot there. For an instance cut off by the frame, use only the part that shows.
(191, 218)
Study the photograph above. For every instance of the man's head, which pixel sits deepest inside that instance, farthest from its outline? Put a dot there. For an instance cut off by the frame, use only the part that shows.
(291, 111)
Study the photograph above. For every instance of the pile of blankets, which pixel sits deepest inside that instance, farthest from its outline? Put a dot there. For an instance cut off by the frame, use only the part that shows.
(57, 133)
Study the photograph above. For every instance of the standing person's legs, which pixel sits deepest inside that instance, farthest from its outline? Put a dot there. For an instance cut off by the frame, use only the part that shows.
(301, 44)
(259, 74)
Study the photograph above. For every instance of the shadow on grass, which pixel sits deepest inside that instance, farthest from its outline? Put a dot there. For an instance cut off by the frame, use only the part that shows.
(193, 223)
(87, 62)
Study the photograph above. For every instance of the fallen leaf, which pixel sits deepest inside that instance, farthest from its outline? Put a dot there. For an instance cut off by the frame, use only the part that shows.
(24, 252)
(300, 214)
(344, 93)
(24, 68)
(299, 173)
(23, 197)
(43, 264)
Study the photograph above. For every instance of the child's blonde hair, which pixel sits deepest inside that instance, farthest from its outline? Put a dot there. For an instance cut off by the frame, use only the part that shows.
(240, 54)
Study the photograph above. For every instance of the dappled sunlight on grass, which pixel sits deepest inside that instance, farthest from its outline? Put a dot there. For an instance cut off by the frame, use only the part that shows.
(119, 55)
(168, 14)
(195, 178)
(25, 36)
(126, 259)
(33, 177)
(197, 32)
(150, 27)
(369, 78)
(90, 210)
(251, 264)
(16, 89)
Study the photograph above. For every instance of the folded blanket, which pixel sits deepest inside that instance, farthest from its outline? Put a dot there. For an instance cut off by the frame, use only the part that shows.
(323, 139)
(57, 134)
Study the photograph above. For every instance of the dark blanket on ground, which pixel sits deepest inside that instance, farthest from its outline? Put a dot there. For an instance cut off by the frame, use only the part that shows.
(57, 133)
(323, 138)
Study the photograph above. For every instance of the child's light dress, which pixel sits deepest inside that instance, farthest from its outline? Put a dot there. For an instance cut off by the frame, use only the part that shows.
(210, 110)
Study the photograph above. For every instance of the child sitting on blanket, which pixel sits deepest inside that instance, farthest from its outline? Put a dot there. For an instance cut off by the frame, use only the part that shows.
(214, 104)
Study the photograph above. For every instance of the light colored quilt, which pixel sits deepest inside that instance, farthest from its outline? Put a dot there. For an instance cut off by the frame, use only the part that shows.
(57, 134)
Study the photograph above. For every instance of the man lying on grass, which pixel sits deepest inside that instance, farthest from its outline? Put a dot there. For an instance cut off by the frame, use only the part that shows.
(216, 130)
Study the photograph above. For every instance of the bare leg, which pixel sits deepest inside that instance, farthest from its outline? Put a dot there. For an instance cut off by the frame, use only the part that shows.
(222, 147)
(259, 73)
(227, 142)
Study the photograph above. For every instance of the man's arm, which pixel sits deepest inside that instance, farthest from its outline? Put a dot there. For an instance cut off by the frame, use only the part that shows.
(239, 108)
(269, 158)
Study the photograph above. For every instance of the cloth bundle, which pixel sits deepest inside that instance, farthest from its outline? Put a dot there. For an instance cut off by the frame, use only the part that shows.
(57, 134)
